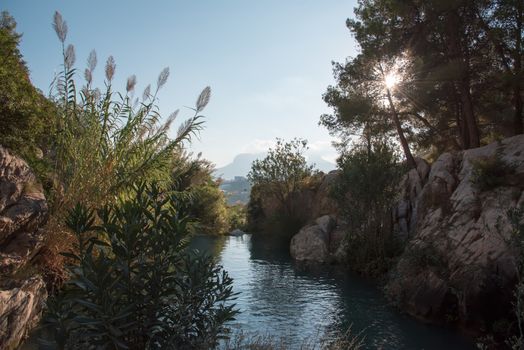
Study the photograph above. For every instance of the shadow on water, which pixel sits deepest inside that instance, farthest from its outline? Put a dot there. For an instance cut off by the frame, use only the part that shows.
(295, 301)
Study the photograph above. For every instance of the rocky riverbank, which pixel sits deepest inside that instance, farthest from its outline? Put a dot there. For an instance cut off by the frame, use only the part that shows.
(456, 260)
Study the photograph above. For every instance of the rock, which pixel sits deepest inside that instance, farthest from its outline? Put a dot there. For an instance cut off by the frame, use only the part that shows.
(23, 211)
(457, 261)
(404, 213)
(237, 233)
(311, 243)
(20, 309)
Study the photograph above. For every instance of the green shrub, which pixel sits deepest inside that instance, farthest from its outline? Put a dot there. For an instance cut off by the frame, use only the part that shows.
(107, 140)
(26, 116)
(491, 172)
(194, 176)
(237, 217)
(276, 178)
(133, 285)
(365, 192)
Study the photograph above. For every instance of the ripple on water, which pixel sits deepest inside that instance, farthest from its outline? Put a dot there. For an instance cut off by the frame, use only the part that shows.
(279, 298)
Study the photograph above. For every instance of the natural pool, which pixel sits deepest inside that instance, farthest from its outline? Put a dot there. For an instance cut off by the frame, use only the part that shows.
(284, 299)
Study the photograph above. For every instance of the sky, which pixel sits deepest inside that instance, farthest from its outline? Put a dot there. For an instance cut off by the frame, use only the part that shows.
(268, 62)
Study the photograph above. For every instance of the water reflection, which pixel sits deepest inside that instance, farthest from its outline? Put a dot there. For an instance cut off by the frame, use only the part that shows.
(297, 301)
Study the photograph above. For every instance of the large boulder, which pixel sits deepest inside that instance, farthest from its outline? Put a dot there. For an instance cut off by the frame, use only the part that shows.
(23, 210)
(457, 261)
(312, 242)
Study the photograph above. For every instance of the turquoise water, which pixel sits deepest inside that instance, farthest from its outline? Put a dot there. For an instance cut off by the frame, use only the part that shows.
(284, 299)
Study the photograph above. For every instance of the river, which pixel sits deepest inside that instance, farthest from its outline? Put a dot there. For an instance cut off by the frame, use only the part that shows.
(293, 302)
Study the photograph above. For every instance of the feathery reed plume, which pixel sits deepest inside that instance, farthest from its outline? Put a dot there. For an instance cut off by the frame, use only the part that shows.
(131, 82)
(92, 61)
(146, 93)
(174, 114)
(110, 68)
(168, 122)
(70, 56)
(96, 94)
(60, 26)
(88, 75)
(203, 99)
(162, 78)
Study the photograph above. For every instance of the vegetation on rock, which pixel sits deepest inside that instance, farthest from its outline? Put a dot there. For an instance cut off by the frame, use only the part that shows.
(26, 116)
(365, 191)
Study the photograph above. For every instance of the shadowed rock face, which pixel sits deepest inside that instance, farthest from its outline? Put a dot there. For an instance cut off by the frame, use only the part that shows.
(21, 304)
(457, 263)
(23, 210)
(312, 242)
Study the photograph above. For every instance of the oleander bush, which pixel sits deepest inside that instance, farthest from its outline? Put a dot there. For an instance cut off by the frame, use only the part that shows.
(132, 283)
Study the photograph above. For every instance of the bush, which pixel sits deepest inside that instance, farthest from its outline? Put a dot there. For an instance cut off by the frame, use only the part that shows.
(133, 285)
(491, 172)
(25, 114)
(365, 192)
(237, 217)
(275, 179)
(106, 140)
(194, 176)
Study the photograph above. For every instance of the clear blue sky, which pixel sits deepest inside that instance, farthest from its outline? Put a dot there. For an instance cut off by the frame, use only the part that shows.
(268, 62)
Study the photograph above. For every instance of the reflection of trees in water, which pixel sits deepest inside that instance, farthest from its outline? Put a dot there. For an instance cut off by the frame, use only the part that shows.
(296, 300)
(292, 302)
(205, 244)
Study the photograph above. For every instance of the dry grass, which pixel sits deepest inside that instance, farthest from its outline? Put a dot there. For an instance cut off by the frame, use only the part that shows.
(244, 341)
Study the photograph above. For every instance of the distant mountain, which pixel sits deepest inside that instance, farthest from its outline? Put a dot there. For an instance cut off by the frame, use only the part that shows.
(242, 164)
(239, 167)
(320, 163)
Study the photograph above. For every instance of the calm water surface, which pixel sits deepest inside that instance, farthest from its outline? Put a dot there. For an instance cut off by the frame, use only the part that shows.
(281, 298)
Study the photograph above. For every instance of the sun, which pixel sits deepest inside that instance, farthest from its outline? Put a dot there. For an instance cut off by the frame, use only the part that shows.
(391, 80)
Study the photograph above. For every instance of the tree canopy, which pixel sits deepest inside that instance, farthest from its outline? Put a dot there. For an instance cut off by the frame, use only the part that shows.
(281, 171)
(458, 66)
(25, 114)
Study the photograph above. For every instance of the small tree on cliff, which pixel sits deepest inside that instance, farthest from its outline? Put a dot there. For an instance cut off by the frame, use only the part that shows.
(281, 171)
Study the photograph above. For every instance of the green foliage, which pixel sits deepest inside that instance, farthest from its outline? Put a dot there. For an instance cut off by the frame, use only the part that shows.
(25, 114)
(209, 206)
(365, 192)
(133, 285)
(106, 140)
(491, 172)
(516, 239)
(237, 217)
(194, 176)
(280, 173)
(459, 66)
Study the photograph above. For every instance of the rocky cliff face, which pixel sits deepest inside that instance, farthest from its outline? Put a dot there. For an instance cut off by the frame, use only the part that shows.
(23, 210)
(457, 264)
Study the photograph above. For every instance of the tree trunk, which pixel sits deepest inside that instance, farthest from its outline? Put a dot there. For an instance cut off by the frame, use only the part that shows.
(403, 141)
(517, 97)
(463, 82)
(469, 115)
